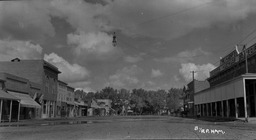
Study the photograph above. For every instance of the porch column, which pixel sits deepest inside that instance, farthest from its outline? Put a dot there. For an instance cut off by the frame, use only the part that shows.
(245, 103)
(19, 112)
(216, 111)
(1, 110)
(10, 116)
(236, 109)
(227, 108)
(207, 111)
(211, 109)
(222, 109)
(202, 109)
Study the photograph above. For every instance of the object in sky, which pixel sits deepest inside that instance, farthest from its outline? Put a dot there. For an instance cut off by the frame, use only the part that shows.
(114, 39)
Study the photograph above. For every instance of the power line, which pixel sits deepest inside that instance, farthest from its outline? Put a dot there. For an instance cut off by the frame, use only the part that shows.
(241, 41)
(176, 13)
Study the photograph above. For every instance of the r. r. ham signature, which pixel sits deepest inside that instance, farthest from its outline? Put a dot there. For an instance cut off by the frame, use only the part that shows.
(208, 131)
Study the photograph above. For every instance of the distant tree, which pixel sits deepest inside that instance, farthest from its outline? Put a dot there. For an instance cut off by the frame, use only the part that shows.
(174, 98)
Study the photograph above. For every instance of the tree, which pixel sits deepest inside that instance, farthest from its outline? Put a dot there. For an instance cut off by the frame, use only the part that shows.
(174, 98)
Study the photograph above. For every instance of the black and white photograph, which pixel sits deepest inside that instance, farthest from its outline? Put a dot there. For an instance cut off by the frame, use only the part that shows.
(127, 69)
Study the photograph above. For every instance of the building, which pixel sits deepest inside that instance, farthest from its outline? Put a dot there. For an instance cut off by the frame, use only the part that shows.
(81, 106)
(105, 105)
(70, 101)
(232, 91)
(26, 106)
(39, 72)
(7, 104)
(62, 99)
(188, 98)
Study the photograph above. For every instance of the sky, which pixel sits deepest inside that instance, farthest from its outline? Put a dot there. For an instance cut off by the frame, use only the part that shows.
(159, 42)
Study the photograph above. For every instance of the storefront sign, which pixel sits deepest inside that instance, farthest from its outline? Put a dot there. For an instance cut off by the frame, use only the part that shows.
(233, 58)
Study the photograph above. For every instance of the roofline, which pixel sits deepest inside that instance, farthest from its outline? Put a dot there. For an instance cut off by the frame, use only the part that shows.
(228, 81)
(51, 66)
(62, 82)
(70, 87)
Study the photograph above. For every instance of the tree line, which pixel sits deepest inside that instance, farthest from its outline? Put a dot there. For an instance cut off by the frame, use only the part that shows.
(140, 101)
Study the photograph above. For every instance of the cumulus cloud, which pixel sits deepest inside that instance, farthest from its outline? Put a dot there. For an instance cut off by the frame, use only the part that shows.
(10, 49)
(156, 73)
(95, 43)
(69, 72)
(125, 77)
(202, 71)
(184, 56)
(83, 85)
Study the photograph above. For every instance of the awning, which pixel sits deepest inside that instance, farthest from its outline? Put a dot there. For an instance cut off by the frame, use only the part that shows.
(25, 100)
(80, 103)
(5, 95)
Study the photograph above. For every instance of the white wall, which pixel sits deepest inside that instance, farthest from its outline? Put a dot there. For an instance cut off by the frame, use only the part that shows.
(229, 90)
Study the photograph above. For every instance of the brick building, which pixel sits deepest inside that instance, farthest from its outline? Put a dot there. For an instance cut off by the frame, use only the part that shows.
(39, 72)
(188, 99)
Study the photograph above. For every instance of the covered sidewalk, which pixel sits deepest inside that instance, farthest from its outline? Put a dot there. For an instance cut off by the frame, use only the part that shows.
(7, 103)
(24, 108)
(234, 98)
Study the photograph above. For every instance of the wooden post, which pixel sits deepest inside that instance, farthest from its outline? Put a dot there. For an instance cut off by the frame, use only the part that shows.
(236, 109)
(18, 119)
(216, 111)
(10, 116)
(1, 110)
(227, 108)
(245, 103)
(211, 109)
(222, 109)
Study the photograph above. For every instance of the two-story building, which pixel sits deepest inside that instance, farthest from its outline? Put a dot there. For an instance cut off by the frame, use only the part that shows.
(62, 99)
(7, 104)
(232, 91)
(39, 72)
(70, 101)
(25, 91)
(188, 98)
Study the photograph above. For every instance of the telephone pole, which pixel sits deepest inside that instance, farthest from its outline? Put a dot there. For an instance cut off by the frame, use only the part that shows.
(193, 74)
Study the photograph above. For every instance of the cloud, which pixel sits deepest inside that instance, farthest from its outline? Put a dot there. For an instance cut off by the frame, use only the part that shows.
(156, 73)
(176, 78)
(83, 16)
(184, 56)
(174, 18)
(83, 85)
(69, 72)
(132, 59)
(201, 71)
(125, 78)
(10, 49)
(25, 20)
(92, 43)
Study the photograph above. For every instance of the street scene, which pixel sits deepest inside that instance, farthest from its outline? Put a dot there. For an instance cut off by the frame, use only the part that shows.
(133, 127)
(128, 69)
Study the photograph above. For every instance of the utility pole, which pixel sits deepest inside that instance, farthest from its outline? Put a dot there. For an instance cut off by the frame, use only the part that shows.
(193, 74)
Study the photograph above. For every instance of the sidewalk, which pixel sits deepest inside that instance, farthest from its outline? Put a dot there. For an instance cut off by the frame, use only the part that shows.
(47, 121)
